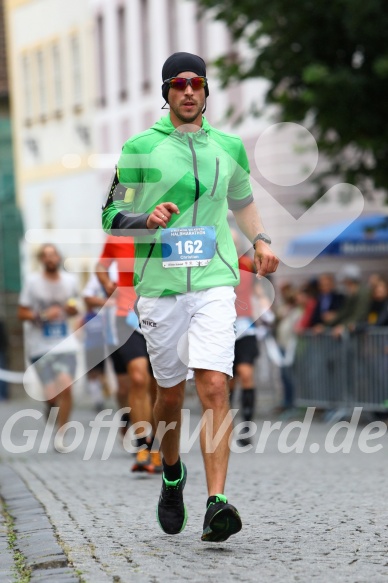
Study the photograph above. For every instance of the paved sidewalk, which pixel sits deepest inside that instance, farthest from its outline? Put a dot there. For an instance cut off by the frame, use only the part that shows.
(306, 517)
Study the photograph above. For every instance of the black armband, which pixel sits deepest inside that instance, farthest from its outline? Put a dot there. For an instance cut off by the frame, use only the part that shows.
(124, 221)
(116, 191)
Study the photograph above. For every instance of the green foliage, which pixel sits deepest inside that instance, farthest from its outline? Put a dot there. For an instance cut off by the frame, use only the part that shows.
(326, 62)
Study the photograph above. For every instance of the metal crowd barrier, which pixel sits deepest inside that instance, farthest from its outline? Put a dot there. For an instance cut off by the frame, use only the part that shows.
(343, 373)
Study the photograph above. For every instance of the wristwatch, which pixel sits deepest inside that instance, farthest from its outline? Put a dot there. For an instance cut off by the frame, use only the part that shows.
(261, 237)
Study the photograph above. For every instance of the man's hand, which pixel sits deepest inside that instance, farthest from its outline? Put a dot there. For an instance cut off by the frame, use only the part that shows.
(328, 317)
(265, 261)
(161, 215)
(318, 329)
(109, 287)
(338, 331)
(53, 313)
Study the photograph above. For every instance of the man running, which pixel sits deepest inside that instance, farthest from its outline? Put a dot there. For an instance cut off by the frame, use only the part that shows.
(246, 350)
(131, 356)
(47, 301)
(173, 185)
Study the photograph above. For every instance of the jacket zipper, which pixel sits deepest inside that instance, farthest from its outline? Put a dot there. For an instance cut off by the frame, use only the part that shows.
(196, 198)
(226, 263)
(152, 245)
(216, 178)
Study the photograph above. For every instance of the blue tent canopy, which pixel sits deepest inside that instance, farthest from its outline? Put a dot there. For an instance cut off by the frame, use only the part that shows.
(366, 236)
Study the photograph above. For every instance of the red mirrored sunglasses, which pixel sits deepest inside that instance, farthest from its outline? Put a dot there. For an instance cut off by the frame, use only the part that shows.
(181, 83)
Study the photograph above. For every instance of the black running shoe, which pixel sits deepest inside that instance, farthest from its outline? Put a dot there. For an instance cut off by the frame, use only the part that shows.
(243, 441)
(221, 520)
(171, 512)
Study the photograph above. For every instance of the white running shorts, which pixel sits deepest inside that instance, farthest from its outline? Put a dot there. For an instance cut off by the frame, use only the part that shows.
(189, 331)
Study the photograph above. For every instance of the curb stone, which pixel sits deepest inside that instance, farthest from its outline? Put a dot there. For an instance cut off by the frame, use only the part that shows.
(35, 537)
(7, 571)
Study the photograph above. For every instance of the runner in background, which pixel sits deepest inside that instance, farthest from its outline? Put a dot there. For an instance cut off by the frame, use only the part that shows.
(47, 302)
(132, 355)
(95, 323)
(246, 347)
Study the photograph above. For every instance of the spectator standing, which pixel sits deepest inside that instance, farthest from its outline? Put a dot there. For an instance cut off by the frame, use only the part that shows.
(288, 315)
(378, 304)
(356, 303)
(329, 302)
(306, 299)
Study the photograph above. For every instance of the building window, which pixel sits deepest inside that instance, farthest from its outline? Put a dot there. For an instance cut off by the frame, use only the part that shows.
(100, 54)
(145, 44)
(57, 79)
(201, 35)
(42, 87)
(27, 89)
(122, 53)
(76, 72)
(172, 25)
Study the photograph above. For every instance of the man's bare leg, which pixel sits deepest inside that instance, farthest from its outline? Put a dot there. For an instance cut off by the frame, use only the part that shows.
(63, 384)
(141, 412)
(153, 388)
(221, 519)
(122, 390)
(168, 408)
(156, 458)
(50, 393)
(122, 398)
(64, 398)
(139, 396)
(212, 388)
(171, 511)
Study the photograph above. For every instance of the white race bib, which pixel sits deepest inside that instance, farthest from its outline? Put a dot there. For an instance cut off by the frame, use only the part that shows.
(188, 246)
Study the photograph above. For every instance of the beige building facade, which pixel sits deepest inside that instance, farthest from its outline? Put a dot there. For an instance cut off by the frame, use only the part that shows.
(50, 45)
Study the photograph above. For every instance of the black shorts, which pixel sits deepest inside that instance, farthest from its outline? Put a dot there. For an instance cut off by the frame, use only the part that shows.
(133, 344)
(95, 358)
(246, 351)
(118, 363)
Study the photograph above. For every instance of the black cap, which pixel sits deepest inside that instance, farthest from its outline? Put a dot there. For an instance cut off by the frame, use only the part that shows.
(178, 63)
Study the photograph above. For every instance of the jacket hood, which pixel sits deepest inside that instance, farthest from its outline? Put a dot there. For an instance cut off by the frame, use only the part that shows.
(165, 125)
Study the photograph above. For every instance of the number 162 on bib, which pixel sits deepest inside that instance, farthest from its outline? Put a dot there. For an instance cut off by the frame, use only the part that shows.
(188, 246)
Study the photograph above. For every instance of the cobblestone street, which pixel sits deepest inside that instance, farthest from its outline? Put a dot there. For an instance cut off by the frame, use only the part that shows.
(306, 517)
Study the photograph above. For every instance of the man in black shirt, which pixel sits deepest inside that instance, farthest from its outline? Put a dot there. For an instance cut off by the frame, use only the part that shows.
(329, 301)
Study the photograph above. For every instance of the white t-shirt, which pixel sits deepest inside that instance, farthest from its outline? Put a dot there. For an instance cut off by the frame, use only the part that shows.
(93, 288)
(38, 294)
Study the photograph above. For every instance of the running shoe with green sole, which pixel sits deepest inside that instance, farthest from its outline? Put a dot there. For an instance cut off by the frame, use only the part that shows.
(221, 520)
(171, 511)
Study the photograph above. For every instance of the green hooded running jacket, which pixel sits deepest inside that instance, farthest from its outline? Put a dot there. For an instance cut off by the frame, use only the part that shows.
(204, 173)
